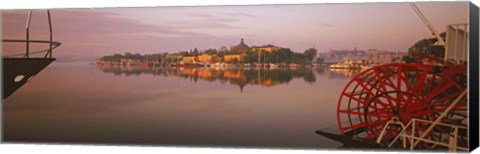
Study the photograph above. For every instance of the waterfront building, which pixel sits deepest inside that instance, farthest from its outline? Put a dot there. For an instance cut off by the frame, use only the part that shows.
(123, 60)
(240, 48)
(373, 55)
(231, 57)
(206, 58)
(173, 56)
(266, 48)
(374, 52)
(189, 59)
(129, 61)
(338, 56)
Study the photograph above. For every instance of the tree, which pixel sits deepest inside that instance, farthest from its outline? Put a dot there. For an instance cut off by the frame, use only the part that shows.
(195, 51)
(184, 53)
(309, 77)
(320, 61)
(426, 47)
(408, 59)
(114, 58)
(284, 55)
(234, 52)
(298, 58)
(251, 57)
(223, 49)
(137, 56)
(273, 57)
(309, 54)
(235, 60)
(421, 47)
(128, 55)
(211, 51)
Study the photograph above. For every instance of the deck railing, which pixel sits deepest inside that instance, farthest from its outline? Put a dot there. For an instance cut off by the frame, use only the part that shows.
(408, 135)
(456, 43)
(27, 41)
(409, 131)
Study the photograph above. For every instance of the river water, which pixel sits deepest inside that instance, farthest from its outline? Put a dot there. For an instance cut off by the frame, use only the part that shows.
(73, 102)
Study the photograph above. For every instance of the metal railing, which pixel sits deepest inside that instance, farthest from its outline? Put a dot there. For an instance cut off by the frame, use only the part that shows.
(409, 130)
(27, 41)
(456, 42)
(408, 134)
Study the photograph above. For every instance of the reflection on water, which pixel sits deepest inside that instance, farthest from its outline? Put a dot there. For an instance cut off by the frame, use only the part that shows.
(80, 103)
(240, 77)
(344, 73)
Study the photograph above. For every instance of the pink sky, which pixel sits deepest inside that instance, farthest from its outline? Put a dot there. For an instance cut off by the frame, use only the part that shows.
(86, 32)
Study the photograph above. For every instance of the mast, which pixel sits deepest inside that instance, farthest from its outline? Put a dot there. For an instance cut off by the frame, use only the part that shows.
(429, 25)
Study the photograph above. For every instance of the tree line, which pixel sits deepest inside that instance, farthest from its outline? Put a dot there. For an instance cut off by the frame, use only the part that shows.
(282, 55)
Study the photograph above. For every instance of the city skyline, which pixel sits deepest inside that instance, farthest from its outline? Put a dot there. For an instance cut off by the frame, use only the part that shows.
(383, 26)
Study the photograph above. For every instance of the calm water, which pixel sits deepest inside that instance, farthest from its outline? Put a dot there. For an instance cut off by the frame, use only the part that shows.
(84, 103)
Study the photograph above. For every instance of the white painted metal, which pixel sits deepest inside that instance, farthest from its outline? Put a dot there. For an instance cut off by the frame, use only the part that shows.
(429, 25)
(408, 131)
(439, 118)
(456, 43)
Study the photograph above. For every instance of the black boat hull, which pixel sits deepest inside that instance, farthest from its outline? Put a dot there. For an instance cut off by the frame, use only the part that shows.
(18, 71)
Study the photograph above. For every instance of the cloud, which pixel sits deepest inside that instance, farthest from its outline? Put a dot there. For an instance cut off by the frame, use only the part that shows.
(214, 18)
(209, 21)
(240, 15)
(82, 30)
(200, 25)
(326, 25)
(84, 23)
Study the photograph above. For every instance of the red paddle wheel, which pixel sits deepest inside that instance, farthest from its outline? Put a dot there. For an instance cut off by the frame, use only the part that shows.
(382, 104)
(400, 91)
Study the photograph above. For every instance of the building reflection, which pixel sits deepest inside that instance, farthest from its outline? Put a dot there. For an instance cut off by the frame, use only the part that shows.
(242, 77)
(237, 76)
(342, 73)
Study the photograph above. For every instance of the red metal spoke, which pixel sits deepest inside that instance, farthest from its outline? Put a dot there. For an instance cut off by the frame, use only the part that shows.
(383, 85)
(360, 125)
(399, 83)
(390, 83)
(403, 76)
(374, 133)
(449, 96)
(409, 103)
(389, 97)
(369, 136)
(369, 92)
(372, 114)
(434, 76)
(437, 91)
(420, 83)
(380, 80)
(373, 130)
(427, 112)
(355, 99)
